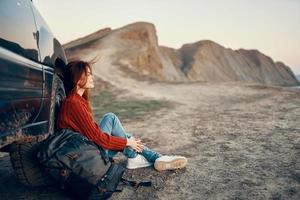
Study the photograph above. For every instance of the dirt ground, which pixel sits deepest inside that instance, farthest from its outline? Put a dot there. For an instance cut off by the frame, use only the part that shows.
(242, 141)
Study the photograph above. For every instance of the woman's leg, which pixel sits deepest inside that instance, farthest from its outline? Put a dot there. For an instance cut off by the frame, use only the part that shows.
(111, 124)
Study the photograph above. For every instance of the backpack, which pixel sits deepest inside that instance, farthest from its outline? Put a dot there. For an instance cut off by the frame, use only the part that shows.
(81, 167)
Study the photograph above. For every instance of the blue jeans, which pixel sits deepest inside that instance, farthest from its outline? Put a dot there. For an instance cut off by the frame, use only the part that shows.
(111, 125)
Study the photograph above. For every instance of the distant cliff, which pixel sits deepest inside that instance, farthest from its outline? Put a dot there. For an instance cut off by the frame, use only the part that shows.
(135, 48)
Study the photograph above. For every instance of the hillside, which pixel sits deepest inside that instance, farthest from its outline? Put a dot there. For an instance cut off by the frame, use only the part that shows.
(135, 49)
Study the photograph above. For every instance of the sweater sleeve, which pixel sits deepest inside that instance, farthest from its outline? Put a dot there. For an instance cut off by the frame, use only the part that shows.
(83, 118)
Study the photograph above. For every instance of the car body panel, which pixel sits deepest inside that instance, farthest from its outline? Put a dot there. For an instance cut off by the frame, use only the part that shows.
(29, 56)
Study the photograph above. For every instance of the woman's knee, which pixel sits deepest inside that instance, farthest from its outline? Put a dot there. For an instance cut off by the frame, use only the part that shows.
(111, 123)
(110, 114)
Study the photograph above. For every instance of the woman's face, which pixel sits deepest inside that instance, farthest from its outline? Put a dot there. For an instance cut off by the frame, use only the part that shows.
(90, 80)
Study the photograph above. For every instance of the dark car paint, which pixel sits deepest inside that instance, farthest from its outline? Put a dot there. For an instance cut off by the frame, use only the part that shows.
(29, 56)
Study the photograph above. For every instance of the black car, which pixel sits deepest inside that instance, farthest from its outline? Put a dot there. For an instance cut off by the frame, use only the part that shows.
(32, 63)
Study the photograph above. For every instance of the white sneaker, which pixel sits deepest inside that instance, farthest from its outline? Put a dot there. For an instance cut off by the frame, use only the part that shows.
(170, 163)
(138, 162)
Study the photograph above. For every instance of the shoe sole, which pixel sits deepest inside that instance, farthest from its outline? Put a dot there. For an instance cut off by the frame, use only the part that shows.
(170, 165)
(139, 166)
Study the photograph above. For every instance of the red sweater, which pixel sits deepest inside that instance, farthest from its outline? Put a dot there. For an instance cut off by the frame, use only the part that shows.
(75, 115)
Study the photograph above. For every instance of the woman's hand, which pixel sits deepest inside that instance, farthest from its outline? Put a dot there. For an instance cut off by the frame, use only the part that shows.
(136, 144)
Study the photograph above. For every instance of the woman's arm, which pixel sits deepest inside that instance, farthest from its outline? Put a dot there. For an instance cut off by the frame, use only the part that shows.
(85, 124)
(77, 116)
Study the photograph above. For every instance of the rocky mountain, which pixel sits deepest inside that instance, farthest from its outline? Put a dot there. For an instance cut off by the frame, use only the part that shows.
(135, 49)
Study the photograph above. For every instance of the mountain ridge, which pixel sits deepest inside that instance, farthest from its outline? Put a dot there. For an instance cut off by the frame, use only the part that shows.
(135, 47)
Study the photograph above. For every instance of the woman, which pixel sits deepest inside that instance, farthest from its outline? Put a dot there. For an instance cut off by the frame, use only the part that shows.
(76, 114)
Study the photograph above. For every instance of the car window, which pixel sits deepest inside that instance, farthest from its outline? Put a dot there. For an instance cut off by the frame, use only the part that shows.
(18, 30)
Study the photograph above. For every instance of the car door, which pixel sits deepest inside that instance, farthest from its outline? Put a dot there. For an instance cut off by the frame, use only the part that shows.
(21, 76)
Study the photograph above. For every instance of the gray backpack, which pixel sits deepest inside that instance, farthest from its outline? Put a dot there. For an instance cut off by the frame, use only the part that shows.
(81, 167)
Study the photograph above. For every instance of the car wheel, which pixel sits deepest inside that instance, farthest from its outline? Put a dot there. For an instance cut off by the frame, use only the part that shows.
(57, 96)
(23, 155)
(26, 165)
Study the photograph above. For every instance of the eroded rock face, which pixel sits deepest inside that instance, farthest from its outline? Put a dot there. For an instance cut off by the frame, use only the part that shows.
(135, 47)
(267, 70)
(209, 61)
(142, 54)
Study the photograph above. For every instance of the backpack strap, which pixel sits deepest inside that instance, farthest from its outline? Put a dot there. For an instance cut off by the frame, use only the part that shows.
(136, 184)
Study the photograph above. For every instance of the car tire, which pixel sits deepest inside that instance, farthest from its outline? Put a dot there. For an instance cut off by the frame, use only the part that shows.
(57, 96)
(23, 155)
(26, 166)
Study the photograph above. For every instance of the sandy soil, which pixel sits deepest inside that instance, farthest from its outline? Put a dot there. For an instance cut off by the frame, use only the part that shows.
(242, 141)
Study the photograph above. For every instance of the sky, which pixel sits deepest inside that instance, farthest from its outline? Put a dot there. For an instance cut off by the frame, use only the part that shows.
(271, 26)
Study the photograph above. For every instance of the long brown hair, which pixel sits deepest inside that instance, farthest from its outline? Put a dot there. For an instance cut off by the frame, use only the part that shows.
(75, 70)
